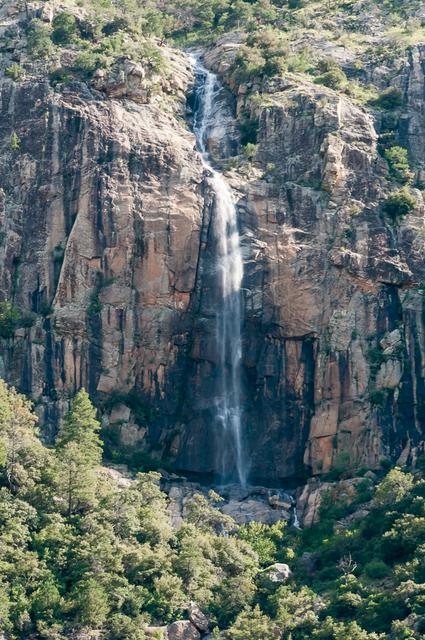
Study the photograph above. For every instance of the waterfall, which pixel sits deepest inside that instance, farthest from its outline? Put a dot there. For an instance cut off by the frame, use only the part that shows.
(229, 271)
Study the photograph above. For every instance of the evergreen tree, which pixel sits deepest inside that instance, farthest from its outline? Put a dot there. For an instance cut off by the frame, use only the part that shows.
(252, 624)
(23, 459)
(80, 427)
(79, 453)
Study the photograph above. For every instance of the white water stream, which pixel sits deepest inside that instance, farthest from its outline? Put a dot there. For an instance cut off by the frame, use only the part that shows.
(231, 460)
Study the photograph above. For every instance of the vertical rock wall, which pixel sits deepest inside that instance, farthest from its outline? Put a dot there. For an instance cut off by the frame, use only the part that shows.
(106, 251)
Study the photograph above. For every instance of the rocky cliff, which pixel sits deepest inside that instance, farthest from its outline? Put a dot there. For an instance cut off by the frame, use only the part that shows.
(106, 252)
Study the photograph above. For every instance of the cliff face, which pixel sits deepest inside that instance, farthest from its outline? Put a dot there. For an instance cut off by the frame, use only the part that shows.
(333, 302)
(106, 251)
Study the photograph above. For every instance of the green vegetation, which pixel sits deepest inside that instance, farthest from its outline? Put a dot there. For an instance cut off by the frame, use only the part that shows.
(39, 39)
(14, 72)
(388, 100)
(110, 35)
(331, 75)
(64, 28)
(398, 162)
(82, 557)
(15, 143)
(399, 204)
(78, 554)
(95, 306)
(263, 55)
(9, 318)
(249, 151)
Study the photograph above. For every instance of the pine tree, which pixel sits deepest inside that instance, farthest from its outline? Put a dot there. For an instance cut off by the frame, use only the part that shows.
(81, 428)
(79, 453)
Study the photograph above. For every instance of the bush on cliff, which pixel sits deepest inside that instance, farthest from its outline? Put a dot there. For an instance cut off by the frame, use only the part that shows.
(39, 42)
(331, 74)
(14, 72)
(65, 28)
(398, 163)
(388, 100)
(399, 204)
(9, 317)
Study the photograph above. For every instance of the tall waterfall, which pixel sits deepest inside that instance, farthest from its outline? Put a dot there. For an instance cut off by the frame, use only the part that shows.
(229, 271)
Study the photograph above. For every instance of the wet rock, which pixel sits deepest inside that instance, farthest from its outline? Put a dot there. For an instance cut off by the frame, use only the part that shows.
(276, 502)
(257, 510)
(243, 504)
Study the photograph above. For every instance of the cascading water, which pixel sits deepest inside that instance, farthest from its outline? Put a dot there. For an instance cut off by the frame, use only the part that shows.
(229, 271)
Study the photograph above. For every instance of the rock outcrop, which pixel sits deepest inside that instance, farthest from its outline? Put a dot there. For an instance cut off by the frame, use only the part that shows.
(243, 505)
(342, 492)
(277, 573)
(182, 630)
(106, 248)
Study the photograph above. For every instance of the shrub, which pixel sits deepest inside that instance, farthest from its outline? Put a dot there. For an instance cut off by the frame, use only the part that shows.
(86, 63)
(399, 204)
(345, 604)
(248, 127)
(15, 143)
(378, 398)
(252, 624)
(393, 487)
(266, 540)
(9, 317)
(341, 465)
(249, 64)
(39, 43)
(64, 28)
(95, 306)
(376, 569)
(59, 76)
(264, 55)
(297, 4)
(89, 30)
(118, 24)
(388, 100)
(333, 79)
(250, 150)
(398, 163)
(14, 72)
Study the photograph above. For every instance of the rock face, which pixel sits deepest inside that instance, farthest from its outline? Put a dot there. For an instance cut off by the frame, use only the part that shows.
(105, 214)
(309, 499)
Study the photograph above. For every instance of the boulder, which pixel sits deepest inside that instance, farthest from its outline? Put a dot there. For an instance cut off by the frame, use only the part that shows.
(198, 618)
(278, 572)
(182, 630)
(308, 562)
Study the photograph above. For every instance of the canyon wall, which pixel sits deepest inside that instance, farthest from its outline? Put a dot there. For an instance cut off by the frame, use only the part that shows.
(106, 251)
